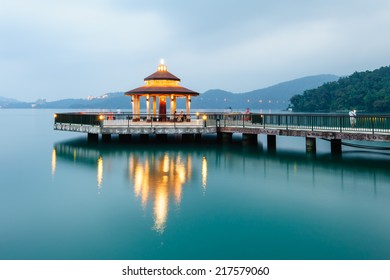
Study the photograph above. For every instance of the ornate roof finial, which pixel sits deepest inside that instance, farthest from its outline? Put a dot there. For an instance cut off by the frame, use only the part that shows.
(162, 66)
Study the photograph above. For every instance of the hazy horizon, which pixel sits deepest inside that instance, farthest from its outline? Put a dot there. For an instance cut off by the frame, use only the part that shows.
(72, 49)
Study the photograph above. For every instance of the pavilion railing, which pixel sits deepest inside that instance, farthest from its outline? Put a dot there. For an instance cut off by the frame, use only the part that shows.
(108, 119)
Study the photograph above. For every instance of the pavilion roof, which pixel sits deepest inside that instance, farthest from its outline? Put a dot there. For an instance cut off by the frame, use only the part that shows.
(162, 90)
(162, 75)
(165, 84)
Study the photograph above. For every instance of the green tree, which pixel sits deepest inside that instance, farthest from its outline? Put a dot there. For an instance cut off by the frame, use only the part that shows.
(365, 91)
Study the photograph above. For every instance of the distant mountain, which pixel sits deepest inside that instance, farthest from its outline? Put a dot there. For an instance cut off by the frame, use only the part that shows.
(274, 97)
(367, 91)
(4, 101)
(107, 101)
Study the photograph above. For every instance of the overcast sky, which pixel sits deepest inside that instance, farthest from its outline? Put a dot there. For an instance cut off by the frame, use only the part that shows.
(71, 48)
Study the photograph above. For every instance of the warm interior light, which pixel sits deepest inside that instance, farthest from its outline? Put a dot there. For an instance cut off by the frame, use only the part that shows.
(101, 117)
(197, 114)
(162, 83)
(55, 115)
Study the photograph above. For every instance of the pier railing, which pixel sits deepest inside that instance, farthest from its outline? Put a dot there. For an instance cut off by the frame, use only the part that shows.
(314, 122)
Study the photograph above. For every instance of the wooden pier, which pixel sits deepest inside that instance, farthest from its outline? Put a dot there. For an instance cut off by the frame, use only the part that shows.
(334, 127)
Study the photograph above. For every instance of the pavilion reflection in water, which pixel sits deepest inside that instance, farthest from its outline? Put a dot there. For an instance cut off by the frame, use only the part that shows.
(160, 178)
(157, 178)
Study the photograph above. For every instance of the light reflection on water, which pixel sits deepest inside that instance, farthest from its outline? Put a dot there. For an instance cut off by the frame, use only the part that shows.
(99, 172)
(156, 176)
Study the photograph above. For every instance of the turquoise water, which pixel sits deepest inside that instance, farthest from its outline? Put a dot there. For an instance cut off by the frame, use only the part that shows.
(62, 198)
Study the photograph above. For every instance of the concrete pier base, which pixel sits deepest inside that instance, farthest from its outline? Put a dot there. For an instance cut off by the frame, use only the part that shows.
(162, 138)
(106, 138)
(198, 137)
(249, 139)
(311, 145)
(93, 138)
(271, 143)
(219, 137)
(124, 138)
(227, 137)
(144, 138)
(187, 138)
(335, 146)
(177, 138)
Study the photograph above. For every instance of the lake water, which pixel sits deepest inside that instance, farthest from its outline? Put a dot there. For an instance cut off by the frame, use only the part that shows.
(62, 198)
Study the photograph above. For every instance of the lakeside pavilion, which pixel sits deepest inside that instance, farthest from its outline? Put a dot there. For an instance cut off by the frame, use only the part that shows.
(159, 87)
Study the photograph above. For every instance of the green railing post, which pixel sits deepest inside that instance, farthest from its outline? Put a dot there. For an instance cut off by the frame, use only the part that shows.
(312, 123)
(341, 124)
(286, 122)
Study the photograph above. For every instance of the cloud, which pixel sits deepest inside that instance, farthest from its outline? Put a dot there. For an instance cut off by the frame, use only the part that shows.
(47, 42)
(84, 27)
(57, 49)
(246, 64)
(300, 46)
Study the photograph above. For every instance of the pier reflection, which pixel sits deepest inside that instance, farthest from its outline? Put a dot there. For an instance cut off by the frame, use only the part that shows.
(160, 177)
(157, 177)
(80, 155)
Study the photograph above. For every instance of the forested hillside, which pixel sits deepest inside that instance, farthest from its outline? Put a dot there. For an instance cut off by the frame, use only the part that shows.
(364, 91)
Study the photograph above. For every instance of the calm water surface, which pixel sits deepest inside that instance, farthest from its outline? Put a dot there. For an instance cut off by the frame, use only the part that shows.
(62, 198)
